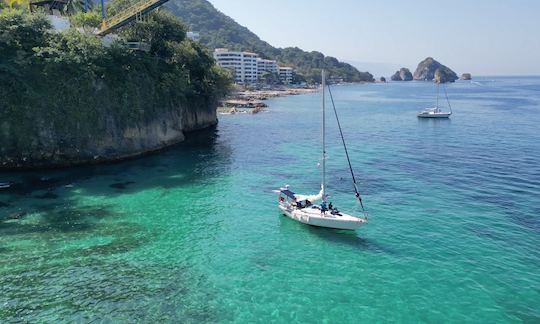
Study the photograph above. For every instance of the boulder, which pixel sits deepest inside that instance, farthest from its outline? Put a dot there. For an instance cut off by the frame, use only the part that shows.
(466, 76)
(427, 68)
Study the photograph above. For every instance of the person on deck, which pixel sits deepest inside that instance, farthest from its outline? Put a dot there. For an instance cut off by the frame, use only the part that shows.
(323, 207)
(308, 203)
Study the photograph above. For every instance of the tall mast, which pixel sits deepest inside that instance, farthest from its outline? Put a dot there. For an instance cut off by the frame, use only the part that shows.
(323, 184)
(438, 85)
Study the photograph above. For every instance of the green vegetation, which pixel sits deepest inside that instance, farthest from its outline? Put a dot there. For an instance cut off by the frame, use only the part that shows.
(218, 30)
(85, 19)
(68, 87)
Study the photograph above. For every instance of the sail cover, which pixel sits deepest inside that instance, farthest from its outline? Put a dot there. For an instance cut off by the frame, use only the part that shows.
(311, 198)
(289, 193)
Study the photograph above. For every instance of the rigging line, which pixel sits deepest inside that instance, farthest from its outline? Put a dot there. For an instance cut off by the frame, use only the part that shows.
(346, 150)
(447, 100)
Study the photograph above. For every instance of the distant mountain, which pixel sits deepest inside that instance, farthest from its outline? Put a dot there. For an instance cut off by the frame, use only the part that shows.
(218, 30)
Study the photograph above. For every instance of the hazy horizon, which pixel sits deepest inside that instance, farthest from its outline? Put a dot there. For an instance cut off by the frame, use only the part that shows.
(481, 37)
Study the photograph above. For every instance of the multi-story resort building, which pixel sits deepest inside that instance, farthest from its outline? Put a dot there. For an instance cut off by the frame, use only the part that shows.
(247, 67)
(267, 66)
(286, 74)
(242, 64)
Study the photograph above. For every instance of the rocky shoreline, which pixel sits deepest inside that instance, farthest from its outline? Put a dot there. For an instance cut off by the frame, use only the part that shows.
(251, 101)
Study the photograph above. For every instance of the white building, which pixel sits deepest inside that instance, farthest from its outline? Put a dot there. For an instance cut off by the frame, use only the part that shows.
(242, 64)
(267, 66)
(286, 74)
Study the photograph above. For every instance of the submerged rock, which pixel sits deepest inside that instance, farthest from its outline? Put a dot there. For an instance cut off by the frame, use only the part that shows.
(427, 69)
(17, 215)
(466, 76)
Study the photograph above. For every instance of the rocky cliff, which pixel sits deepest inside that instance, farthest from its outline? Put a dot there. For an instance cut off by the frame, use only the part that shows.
(427, 69)
(68, 100)
(116, 139)
(402, 75)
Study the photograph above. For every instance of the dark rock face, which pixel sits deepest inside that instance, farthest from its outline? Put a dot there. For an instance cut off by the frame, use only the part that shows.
(405, 74)
(402, 75)
(382, 79)
(426, 71)
(114, 143)
(466, 76)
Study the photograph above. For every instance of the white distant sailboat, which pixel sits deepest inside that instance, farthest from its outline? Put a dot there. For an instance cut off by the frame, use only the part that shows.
(436, 112)
(302, 208)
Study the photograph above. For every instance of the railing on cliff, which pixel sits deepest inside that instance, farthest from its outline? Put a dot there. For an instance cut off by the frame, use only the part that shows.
(135, 12)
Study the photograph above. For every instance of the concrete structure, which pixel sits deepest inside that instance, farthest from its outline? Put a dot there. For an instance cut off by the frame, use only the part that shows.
(242, 64)
(267, 66)
(286, 74)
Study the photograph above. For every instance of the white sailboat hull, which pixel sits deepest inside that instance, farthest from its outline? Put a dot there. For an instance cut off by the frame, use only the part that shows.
(314, 217)
(434, 115)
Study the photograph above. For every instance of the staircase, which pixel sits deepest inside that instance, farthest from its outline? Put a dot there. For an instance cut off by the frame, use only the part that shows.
(134, 12)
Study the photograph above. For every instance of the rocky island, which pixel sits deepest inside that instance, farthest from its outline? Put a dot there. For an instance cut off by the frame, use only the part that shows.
(429, 68)
(402, 75)
(67, 99)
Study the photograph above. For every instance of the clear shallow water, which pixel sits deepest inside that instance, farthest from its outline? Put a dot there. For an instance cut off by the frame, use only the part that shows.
(193, 234)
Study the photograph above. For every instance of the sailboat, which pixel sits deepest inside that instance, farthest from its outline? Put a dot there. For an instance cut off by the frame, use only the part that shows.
(304, 208)
(437, 112)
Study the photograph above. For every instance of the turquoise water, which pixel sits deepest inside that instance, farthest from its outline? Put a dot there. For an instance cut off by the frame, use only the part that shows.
(193, 234)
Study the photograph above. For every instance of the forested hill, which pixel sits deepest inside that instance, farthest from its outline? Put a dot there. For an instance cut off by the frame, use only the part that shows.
(218, 30)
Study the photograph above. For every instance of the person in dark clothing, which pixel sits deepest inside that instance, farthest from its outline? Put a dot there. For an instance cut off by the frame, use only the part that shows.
(323, 207)
(308, 203)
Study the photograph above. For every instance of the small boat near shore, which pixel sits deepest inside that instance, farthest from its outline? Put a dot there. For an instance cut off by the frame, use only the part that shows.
(437, 112)
(302, 208)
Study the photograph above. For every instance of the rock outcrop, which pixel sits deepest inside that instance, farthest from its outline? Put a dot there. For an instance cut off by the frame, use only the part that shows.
(117, 139)
(427, 70)
(466, 76)
(402, 75)
(67, 100)
(382, 79)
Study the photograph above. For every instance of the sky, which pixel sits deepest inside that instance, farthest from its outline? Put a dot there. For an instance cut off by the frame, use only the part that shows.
(497, 37)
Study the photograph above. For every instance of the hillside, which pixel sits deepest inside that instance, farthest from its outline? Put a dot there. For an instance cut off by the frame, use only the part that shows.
(219, 30)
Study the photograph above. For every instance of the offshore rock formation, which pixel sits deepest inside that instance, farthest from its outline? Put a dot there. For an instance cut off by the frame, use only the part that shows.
(427, 69)
(466, 76)
(402, 75)
(382, 79)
